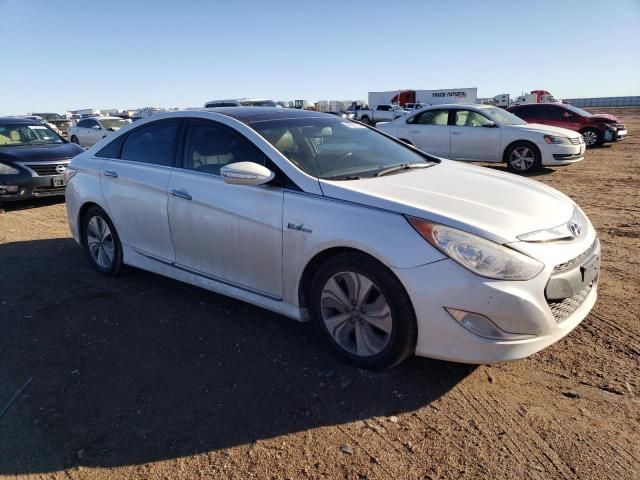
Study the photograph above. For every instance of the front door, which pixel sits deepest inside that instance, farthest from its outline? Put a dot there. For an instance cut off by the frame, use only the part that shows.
(230, 233)
(135, 188)
(474, 137)
(430, 132)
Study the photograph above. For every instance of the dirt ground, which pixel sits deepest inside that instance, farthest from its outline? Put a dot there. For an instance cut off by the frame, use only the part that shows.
(145, 377)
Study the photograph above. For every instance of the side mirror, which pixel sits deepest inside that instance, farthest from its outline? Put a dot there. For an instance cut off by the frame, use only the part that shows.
(490, 125)
(97, 127)
(566, 115)
(246, 173)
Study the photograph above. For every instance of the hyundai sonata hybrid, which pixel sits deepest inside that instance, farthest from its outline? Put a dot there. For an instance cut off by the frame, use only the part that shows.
(482, 133)
(387, 250)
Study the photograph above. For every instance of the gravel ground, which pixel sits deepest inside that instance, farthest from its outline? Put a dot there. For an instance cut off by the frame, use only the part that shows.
(145, 377)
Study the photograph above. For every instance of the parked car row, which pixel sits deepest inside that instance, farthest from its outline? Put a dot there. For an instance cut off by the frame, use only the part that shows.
(484, 133)
(390, 251)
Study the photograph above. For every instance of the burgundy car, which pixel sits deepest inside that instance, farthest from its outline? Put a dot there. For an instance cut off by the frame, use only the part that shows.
(595, 128)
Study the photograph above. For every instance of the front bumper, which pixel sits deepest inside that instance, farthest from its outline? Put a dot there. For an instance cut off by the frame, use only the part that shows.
(518, 307)
(556, 155)
(615, 135)
(29, 184)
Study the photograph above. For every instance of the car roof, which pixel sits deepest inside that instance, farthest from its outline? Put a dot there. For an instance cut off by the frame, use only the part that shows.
(250, 115)
(18, 120)
(461, 105)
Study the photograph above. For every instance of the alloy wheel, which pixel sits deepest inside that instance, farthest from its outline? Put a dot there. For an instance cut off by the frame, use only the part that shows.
(590, 138)
(522, 158)
(356, 314)
(100, 242)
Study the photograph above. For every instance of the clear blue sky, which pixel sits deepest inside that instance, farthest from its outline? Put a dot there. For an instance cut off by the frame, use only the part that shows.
(58, 55)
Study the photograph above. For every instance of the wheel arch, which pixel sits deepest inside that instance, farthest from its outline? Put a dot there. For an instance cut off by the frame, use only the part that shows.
(81, 213)
(319, 258)
(520, 140)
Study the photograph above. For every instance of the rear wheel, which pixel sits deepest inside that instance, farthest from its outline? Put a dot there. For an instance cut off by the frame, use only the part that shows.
(101, 242)
(523, 157)
(365, 120)
(592, 137)
(74, 139)
(363, 311)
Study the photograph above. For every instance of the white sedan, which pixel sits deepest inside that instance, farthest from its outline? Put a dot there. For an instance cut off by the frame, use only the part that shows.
(90, 130)
(387, 250)
(482, 133)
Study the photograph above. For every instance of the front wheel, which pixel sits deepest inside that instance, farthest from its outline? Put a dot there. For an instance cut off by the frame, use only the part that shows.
(523, 157)
(592, 137)
(363, 311)
(101, 242)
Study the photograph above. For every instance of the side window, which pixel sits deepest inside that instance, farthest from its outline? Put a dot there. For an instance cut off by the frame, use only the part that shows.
(92, 124)
(112, 149)
(210, 145)
(548, 112)
(432, 117)
(82, 124)
(154, 143)
(468, 118)
(525, 112)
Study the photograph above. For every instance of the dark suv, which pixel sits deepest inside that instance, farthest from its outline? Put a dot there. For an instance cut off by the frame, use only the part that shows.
(33, 159)
(595, 128)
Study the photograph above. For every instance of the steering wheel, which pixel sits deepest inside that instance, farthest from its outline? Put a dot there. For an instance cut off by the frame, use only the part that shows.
(342, 159)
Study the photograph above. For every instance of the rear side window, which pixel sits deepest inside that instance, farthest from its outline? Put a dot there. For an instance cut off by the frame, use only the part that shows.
(221, 104)
(111, 150)
(432, 117)
(210, 145)
(154, 143)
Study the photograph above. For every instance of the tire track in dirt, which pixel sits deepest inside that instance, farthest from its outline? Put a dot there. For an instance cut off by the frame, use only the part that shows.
(521, 442)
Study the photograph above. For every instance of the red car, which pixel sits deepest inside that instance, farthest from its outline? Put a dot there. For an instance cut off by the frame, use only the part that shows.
(595, 128)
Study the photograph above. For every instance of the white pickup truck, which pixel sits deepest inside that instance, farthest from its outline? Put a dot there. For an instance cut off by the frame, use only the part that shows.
(382, 113)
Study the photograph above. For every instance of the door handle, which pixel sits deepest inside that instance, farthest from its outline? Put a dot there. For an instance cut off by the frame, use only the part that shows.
(414, 131)
(181, 194)
(110, 173)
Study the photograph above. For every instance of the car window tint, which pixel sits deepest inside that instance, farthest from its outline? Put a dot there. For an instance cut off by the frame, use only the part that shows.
(432, 117)
(154, 143)
(468, 118)
(82, 124)
(92, 123)
(210, 146)
(111, 149)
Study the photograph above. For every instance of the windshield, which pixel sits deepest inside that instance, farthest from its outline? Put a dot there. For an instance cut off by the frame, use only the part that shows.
(15, 135)
(577, 110)
(502, 117)
(50, 117)
(113, 123)
(335, 148)
(259, 103)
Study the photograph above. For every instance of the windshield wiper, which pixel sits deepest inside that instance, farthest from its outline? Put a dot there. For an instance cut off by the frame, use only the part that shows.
(401, 167)
(345, 177)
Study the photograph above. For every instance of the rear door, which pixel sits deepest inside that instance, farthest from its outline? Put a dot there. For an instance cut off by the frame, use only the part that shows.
(134, 185)
(474, 137)
(230, 233)
(430, 131)
(93, 132)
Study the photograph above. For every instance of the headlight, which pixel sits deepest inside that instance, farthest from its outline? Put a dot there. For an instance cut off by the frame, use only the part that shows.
(480, 256)
(557, 140)
(69, 172)
(7, 170)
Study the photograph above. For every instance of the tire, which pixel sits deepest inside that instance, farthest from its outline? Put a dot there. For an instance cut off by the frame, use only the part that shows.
(348, 327)
(103, 247)
(592, 137)
(365, 120)
(523, 157)
(74, 139)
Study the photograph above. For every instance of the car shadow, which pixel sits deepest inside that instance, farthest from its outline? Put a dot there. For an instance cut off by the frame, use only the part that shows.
(143, 368)
(16, 206)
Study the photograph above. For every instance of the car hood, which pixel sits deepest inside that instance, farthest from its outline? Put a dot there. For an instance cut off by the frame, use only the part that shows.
(604, 117)
(495, 205)
(40, 153)
(546, 129)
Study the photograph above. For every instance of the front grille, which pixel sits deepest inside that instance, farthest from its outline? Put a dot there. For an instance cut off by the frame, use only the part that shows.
(561, 309)
(45, 170)
(570, 263)
(578, 140)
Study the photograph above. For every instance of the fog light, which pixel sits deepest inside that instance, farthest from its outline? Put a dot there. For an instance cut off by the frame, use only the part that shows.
(8, 189)
(483, 326)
